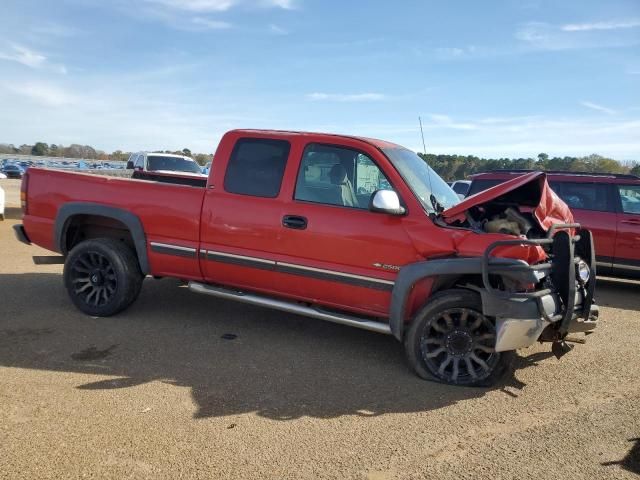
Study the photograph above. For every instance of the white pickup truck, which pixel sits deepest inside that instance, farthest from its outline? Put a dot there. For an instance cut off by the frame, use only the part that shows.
(167, 168)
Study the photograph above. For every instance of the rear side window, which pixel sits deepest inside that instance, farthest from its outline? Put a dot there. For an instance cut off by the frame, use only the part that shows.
(630, 198)
(481, 185)
(461, 188)
(256, 167)
(584, 196)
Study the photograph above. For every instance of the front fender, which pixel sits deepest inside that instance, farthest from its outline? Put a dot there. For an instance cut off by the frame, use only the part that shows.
(409, 275)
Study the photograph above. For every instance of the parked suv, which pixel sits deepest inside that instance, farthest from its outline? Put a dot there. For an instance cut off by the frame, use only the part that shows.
(606, 204)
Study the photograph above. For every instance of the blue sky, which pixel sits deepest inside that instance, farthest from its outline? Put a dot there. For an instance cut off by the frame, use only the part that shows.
(494, 78)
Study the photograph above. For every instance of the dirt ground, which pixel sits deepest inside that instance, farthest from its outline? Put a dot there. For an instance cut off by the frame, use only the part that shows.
(157, 392)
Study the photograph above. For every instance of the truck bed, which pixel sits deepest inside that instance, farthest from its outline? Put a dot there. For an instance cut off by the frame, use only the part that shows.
(170, 213)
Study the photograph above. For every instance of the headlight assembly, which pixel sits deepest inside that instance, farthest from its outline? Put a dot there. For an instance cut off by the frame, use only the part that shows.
(583, 272)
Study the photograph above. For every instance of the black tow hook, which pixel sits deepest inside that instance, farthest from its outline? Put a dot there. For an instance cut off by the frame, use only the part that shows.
(560, 348)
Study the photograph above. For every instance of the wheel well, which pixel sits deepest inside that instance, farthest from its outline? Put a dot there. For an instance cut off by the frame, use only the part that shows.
(83, 227)
(452, 281)
(425, 288)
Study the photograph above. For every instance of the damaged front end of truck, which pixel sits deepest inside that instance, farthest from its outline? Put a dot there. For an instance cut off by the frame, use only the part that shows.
(538, 280)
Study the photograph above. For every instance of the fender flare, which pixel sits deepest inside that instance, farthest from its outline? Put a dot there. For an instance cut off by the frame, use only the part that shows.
(131, 221)
(409, 275)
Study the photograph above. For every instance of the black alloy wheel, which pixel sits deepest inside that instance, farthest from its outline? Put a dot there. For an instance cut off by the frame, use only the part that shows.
(457, 345)
(102, 276)
(451, 341)
(94, 278)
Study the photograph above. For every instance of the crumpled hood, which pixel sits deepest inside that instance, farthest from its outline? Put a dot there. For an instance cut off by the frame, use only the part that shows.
(531, 192)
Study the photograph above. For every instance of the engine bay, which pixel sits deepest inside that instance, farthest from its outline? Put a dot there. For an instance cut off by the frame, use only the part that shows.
(502, 218)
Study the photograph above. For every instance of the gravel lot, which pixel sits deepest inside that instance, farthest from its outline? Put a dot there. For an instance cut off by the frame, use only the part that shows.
(156, 392)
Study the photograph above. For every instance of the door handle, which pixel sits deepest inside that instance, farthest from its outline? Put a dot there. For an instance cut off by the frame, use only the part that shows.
(631, 221)
(294, 221)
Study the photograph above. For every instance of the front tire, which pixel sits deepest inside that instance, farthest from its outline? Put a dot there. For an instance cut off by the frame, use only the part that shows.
(102, 276)
(451, 341)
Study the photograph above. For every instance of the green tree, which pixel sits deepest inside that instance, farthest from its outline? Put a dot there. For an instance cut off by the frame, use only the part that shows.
(203, 158)
(40, 149)
(119, 155)
(186, 152)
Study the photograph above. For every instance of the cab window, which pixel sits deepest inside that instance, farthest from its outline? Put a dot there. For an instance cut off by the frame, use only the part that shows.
(256, 167)
(338, 176)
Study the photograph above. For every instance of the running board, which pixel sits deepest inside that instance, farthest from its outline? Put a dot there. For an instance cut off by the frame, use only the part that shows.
(290, 307)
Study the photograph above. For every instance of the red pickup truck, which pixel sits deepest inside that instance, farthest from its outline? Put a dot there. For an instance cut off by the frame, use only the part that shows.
(351, 230)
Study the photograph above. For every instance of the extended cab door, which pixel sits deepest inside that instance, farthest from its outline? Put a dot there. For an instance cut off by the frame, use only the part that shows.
(593, 207)
(627, 256)
(241, 223)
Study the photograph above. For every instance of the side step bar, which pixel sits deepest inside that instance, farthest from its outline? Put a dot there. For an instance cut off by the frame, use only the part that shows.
(290, 307)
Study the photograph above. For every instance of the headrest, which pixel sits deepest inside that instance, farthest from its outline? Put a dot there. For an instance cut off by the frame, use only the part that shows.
(338, 174)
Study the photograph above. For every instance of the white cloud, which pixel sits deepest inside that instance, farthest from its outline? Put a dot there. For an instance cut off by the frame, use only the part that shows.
(42, 94)
(210, 24)
(276, 30)
(582, 27)
(285, 4)
(30, 58)
(447, 122)
(24, 56)
(599, 108)
(346, 97)
(220, 5)
(196, 15)
(545, 36)
(197, 5)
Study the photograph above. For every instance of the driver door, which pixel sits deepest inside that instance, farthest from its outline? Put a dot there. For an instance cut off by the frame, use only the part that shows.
(347, 256)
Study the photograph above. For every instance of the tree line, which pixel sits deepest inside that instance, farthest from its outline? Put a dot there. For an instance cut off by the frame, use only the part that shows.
(41, 149)
(457, 167)
(449, 167)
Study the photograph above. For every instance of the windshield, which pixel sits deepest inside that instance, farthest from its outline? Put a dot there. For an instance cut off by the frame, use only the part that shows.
(175, 164)
(431, 190)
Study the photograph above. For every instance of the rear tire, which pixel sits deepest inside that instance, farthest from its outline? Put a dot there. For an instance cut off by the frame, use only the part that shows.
(102, 276)
(451, 341)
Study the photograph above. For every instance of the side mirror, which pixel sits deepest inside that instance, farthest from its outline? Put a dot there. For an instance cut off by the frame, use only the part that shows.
(129, 165)
(386, 201)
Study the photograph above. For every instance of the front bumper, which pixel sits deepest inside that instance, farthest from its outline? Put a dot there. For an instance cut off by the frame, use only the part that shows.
(520, 323)
(564, 306)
